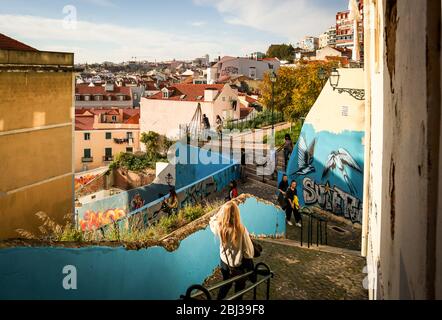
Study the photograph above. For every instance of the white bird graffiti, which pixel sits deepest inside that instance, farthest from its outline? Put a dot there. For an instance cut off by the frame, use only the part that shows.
(305, 157)
(341, 159)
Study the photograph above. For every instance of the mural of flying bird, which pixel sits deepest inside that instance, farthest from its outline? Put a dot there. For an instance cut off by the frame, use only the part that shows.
(305, 157)
(342, 159)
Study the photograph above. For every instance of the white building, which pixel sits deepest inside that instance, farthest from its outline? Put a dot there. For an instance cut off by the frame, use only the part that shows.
(175, 106)
(309, 43)
(252, 68)
(328, 38)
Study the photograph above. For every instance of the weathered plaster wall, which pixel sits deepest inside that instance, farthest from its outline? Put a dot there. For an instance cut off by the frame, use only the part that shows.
(117, 273)
(405, 94)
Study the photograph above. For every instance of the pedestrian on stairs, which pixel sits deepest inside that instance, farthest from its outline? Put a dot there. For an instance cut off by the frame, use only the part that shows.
(288, 149)
(293, 205)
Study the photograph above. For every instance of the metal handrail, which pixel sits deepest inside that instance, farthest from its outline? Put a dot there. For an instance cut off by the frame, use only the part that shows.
(267, 273)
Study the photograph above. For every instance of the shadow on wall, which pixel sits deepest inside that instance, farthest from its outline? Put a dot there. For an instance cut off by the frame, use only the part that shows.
(328, 169)
(118, 273)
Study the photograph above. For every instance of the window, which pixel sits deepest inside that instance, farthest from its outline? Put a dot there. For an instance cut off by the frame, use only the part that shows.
(129, 150)
(108, 152)
(108, 135)
(87, 136)
(114, 118)
(130, 135)
(87, 153)
(165, 94)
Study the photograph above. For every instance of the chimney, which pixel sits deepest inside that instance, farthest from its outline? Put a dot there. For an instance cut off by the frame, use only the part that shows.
(210, 95)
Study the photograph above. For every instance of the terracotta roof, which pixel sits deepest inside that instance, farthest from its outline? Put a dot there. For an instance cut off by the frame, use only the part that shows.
(84, 89)
(245, 111)
(7, 43)
(188, 92)
(249, 99)
(84, 118)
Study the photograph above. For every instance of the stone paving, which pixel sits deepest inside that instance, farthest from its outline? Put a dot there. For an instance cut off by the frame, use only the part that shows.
(309, 274)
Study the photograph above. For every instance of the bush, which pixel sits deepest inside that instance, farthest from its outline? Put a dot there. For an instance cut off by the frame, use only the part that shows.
(191, 213)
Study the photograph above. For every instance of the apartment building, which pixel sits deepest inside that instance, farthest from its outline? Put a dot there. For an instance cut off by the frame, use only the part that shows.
(36, 136)
(101, 134)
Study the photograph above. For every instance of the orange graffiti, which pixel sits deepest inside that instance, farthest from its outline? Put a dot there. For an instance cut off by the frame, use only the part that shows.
(82, 181)
(94, 220)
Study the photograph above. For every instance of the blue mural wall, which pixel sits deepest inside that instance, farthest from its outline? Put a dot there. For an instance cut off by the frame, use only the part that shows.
(116, 273)
(328, 169)
(195, 180)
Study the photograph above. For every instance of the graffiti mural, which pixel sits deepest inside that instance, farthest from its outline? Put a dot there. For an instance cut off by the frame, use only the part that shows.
(94, 220)
(329, 169)
(84, 180)
(198, 192)
(137, 202)
(333, 200)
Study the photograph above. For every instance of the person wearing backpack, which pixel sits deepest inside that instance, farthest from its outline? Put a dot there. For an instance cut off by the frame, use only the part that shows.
(236, 247)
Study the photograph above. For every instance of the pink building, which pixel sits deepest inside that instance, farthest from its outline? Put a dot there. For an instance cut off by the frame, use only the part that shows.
(101, 134)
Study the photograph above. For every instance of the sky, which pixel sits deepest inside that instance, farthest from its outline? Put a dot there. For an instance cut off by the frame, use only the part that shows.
(154, 30)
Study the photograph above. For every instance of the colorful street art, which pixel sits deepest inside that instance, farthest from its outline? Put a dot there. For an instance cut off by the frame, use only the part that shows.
(84, 180)
(92, 221)
(137, 202)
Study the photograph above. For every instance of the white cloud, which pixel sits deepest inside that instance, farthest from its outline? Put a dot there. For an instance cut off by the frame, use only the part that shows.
(287, 18)
(94, 42)
(198, 23)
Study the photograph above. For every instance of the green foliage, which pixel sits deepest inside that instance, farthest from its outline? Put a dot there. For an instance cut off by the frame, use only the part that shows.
(192, 213)
(262, 119)
(296, 89)
(132, 162)
(152, 142)
(281, 51)
(294, 132)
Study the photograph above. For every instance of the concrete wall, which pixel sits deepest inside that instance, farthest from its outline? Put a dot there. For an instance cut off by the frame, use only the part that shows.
(36, 140)
(333, 137)
(117, 273)
(403, 251)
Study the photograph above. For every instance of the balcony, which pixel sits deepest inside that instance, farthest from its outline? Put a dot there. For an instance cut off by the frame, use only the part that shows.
(108, 158)
(129, 141)
(87, 159)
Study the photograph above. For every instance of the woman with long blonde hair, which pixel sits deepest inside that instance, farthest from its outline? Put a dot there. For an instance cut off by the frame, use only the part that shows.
(236, 247)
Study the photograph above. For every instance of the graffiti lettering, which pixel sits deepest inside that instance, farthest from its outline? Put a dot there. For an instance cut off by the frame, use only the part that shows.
(332, 199)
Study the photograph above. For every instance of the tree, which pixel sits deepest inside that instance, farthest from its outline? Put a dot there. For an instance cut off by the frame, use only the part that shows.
(281, 51)
(296, 89)
(152, 142)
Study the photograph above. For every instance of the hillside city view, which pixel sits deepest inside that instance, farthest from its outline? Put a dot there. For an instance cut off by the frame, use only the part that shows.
(220, 150)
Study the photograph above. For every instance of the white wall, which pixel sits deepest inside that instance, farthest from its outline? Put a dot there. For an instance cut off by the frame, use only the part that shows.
(405, 129)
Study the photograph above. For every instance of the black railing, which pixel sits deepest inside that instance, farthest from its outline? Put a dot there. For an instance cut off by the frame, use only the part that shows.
(321, 228)
(108, 158)
(261, 269)
(87, 159)
(255, 121)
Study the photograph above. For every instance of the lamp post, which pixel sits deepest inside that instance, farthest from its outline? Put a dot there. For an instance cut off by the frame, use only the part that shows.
(273, 79)
(358, 94)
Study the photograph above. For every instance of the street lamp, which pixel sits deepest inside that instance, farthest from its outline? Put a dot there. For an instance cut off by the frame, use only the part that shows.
(358, 94)
(273, 79)
(334, 78)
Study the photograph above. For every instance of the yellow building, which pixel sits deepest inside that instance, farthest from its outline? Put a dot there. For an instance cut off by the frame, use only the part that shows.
(36, 136)
(101, 134)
